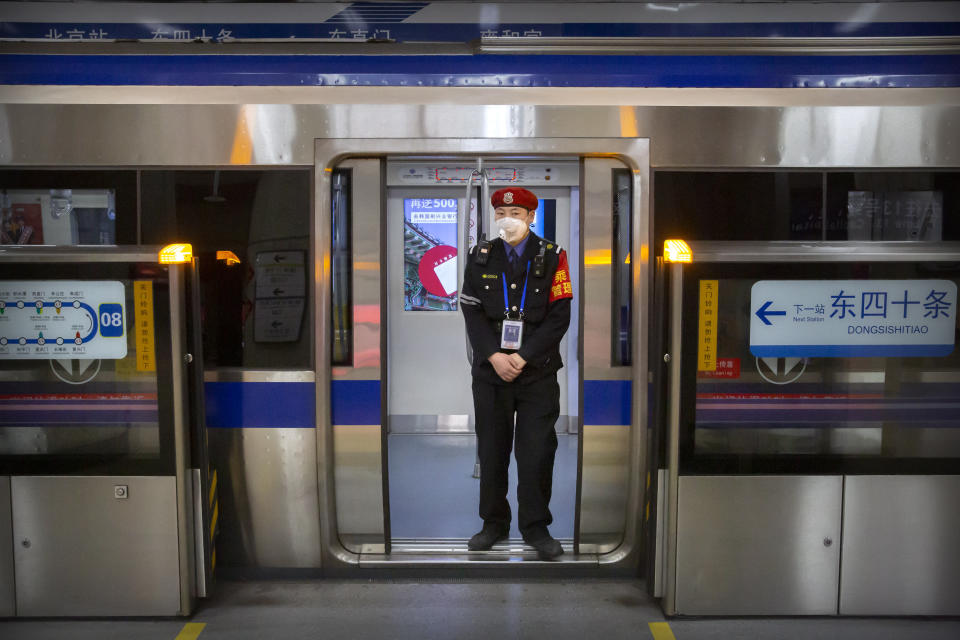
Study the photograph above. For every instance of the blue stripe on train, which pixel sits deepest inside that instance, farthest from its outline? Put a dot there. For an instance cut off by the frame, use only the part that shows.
(484, 70)
(288, 405)
(281, 405)
(606, 402)
(356, 402)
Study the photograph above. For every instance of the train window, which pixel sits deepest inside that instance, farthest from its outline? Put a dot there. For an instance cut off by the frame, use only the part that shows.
(96, 401)
(813, 205)
(341, 270)
(816, 414)
(621, 273)
(726, 205)
(255, 313)
(893, 205)
(68, 207)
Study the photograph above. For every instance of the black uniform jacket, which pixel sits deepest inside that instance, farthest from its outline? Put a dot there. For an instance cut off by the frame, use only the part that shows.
(545, 322)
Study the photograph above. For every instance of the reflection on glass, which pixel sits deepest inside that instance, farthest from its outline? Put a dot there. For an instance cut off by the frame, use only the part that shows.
(792, 205)
(341, 270)
(622, 273)
(430, 254)
(58, 216)
(887, 407)
(90, 411)
(255, 313)
(895, 215)
(738, 205)
(893, 205)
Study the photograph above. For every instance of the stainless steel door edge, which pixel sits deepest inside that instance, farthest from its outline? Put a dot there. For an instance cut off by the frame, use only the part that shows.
(359, 461)
(181, 427)
(671, 486)
(8, 600)
(199, 531)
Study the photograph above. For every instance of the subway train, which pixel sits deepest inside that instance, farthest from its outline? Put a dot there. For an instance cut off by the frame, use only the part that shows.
(300, 382)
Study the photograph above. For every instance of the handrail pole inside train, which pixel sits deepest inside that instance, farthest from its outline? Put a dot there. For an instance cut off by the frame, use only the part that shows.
(464, 222)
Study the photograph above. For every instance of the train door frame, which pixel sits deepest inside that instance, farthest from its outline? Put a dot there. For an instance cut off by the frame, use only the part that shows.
(634, 154)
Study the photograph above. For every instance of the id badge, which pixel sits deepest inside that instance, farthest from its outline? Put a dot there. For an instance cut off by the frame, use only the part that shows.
(512, 334)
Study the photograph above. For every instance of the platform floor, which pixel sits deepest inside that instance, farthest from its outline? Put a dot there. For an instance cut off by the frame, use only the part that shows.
(461, 609)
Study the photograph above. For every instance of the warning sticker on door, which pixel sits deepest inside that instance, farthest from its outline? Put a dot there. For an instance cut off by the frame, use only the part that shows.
(707, 344)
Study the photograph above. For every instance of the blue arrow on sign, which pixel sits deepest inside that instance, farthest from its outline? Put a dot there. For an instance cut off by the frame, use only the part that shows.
(762, 312)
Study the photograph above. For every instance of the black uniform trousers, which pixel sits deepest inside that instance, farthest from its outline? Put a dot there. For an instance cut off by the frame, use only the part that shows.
(536, 405)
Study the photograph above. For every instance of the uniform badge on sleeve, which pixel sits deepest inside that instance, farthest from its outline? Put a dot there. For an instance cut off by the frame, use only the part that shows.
(561, 287)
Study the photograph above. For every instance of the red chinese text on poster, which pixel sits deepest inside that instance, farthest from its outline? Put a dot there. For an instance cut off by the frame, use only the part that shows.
(726, 368)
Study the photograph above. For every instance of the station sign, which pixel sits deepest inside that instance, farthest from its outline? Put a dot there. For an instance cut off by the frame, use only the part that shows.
(848, 318)
(55, 319)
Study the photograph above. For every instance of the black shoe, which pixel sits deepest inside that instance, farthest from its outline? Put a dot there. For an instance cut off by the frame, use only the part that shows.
(490, 535)
(547, 548)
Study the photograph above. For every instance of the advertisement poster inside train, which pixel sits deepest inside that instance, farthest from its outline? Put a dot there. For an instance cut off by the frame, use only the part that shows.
(21, 223)
(429, 254)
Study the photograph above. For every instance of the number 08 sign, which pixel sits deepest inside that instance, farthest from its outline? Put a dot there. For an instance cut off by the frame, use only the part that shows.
(46, 319)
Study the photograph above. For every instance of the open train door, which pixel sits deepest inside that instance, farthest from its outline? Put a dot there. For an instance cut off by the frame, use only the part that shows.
(392, 365)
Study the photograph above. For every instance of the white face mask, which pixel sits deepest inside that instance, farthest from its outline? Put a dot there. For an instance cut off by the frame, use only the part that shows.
(511, 229)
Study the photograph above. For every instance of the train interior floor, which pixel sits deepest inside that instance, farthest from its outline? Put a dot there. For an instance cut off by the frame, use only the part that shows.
(422, 507)
(462, 609)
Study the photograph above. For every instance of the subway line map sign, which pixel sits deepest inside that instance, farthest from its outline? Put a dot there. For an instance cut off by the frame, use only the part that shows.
(47, 319)
(845, 318)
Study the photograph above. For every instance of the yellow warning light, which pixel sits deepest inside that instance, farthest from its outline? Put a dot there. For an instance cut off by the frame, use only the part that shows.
(176, 253)
(229, 257)
(677, 251)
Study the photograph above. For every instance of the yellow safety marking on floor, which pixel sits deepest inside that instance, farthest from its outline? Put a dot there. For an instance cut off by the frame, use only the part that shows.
(661, 631)
(190, 631)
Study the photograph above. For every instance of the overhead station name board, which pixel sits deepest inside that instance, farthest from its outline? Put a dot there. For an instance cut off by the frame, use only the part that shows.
(847, 318)
(426, 21)
(48, 319)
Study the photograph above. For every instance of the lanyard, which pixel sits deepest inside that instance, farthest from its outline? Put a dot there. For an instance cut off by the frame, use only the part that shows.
(523, 298)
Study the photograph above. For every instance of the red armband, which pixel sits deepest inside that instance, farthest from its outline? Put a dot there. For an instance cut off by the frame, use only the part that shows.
(561, 287)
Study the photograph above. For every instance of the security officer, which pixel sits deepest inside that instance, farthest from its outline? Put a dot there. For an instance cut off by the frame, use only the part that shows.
(516, 304)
